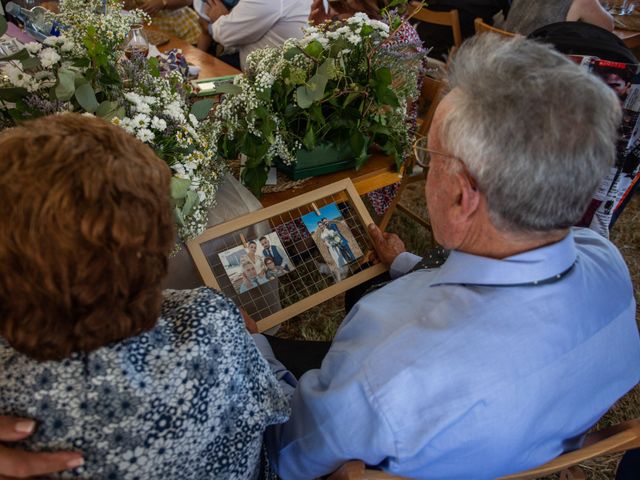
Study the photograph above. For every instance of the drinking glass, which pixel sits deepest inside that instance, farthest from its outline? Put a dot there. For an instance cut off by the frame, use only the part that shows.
(619, 7)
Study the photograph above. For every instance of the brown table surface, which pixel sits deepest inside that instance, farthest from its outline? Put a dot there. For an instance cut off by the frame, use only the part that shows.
(209, 66)
(379, 171)
(631, 38)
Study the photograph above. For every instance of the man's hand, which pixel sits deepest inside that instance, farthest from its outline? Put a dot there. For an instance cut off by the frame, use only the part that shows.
(388, 245)
(249, 322)
(152, 6)
(215, 9)
(21, 464)
(318, 15)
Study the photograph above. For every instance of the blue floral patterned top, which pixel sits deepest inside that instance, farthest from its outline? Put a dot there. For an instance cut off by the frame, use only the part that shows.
(189, 399)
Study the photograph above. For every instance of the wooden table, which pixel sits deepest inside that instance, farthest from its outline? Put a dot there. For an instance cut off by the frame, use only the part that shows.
(629, 37)
(209, 66)
(378, 172)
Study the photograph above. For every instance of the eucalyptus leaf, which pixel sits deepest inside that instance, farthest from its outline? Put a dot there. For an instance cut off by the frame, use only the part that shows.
(179, 188)
(177, 213)
(108, 110)
(190, 202)
(86, 97)
(304, 97)
(65, 88)
(201, 108)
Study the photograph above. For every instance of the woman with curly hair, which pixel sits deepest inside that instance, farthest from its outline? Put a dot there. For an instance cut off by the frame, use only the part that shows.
(145, 383)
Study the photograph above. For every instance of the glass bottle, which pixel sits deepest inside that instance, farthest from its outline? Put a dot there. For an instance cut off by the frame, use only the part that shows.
(136, 44)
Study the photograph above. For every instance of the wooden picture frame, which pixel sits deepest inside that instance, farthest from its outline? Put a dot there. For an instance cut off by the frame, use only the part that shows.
(265, 302)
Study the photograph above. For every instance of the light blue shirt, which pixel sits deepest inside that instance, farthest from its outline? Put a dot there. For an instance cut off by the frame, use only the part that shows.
(461, 372)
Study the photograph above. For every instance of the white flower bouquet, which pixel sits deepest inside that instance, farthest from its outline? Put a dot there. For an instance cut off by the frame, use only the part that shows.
(343, 87)
(84, 70)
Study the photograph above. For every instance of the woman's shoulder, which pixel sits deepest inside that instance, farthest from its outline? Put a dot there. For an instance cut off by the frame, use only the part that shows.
(197, 312)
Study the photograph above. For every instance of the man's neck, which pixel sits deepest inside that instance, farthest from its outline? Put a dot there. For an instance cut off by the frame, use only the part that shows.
(488, 241)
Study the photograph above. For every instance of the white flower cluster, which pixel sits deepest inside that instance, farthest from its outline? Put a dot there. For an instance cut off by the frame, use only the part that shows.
(162, 116)
(265, 67)
(112, 26)
(49, 56)
(353, 31)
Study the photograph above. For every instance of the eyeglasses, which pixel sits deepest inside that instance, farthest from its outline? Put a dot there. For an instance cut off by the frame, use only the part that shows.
(423, 156)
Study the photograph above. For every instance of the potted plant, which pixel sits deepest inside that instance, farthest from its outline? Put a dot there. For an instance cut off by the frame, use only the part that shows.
(318, 104)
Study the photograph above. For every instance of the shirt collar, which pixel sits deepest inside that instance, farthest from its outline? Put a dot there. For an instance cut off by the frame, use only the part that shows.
(528, 267)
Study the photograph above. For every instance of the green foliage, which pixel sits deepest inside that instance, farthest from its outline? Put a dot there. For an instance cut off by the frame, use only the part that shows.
(325, 98)
(201, 108)
(3, 25)
(86, 97)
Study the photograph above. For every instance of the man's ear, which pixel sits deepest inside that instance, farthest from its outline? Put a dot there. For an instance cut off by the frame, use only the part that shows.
(467, 198)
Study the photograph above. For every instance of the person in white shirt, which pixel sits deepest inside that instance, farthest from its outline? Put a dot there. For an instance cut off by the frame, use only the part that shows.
(254, 24)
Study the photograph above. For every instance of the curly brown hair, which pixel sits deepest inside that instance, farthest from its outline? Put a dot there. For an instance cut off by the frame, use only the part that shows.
(86, 228)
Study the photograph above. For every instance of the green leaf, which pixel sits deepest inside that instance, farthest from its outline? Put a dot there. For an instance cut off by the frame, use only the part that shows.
(65, 88)
(202, 108)
(177, 213)
(350, 98)
(254, 148)
(255, 178)
(313, 91)
(314, 49)
(304, 97)
(86, 97)
(31, 63)
(82, 62)
(12, 94)
(309, 140)
(109, 110)
(190, 202)
(154, 66)
(3, 26)
(228, 88)
(179, 188)
(20, 55)
(292, 53)
(358, 142)
(383, 76)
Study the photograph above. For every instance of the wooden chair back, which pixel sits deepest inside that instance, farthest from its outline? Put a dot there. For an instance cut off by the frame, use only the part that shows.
(482, 27)
(447, 19)
(618, 438)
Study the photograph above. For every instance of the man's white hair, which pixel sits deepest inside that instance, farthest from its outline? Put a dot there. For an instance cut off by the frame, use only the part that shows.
(536, 131)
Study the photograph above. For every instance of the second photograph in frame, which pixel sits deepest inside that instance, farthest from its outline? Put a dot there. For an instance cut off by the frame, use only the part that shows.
(333, 237)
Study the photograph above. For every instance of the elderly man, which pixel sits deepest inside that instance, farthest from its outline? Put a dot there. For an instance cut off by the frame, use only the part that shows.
(506, 355)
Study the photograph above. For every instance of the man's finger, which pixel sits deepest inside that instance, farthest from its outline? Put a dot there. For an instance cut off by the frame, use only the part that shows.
(376, 234)
(13, 429)
(20, 464)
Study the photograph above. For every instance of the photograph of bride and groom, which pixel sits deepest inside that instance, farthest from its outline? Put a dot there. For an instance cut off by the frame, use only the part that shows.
(333, 237)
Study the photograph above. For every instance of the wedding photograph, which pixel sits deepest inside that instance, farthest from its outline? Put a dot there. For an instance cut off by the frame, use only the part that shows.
(333, 237)
(256, 262)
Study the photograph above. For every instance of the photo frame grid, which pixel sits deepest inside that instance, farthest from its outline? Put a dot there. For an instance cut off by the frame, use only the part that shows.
(305, 284)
